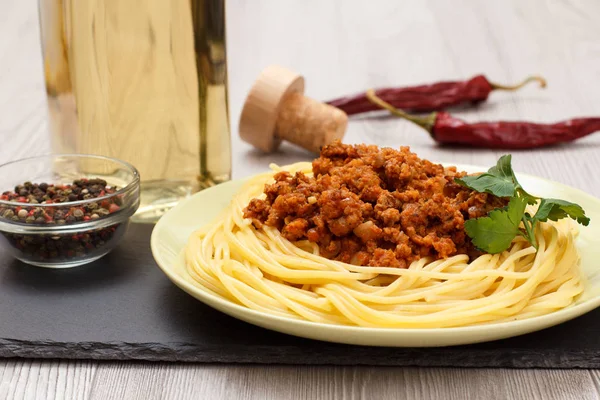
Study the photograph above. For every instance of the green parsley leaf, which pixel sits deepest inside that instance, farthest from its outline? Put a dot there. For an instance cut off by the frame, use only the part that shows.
(494, 233)
(555, 209)
(488, 183)
(516, 209)
(503, 169)
(500, 181)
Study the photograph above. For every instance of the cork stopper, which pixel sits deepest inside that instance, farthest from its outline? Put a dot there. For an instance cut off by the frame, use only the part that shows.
(276, 109)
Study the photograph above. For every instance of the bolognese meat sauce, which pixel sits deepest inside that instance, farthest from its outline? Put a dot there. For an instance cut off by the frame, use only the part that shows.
(373, 206)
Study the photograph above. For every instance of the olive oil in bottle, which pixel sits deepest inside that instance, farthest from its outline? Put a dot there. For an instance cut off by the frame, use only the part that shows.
(144, 81)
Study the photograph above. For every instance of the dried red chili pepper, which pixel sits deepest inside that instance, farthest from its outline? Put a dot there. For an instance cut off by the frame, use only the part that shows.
(434, 97)
(446, 129)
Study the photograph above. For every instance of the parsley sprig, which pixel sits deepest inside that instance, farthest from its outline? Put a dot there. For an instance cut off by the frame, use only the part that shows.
(495, 232)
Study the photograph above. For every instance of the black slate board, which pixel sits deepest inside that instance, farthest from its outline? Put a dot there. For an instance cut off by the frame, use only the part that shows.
(123, 308)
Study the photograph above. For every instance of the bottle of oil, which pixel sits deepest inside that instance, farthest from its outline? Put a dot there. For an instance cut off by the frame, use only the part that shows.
(144, 81)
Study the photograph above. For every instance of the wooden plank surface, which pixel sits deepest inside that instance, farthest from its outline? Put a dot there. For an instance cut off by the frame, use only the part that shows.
(342, 47)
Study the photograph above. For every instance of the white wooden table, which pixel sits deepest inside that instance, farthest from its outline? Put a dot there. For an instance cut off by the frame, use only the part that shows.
(342, 47)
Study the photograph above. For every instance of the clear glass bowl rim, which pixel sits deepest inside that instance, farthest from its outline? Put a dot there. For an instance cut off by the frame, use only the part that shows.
(80, 226)
(135, 181)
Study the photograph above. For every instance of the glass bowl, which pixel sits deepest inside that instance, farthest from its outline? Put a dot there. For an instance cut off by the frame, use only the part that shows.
(76, 228)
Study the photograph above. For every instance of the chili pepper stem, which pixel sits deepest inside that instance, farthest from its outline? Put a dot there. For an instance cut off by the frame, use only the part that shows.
(426, 122)
(535, 78)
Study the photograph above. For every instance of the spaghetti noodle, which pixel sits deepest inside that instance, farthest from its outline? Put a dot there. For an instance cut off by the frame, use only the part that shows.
(261, 270)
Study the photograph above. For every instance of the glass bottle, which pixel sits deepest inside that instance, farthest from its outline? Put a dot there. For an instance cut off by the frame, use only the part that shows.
(144, 81)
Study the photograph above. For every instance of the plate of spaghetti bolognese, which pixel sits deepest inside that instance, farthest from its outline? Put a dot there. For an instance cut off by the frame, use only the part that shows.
(375, 246)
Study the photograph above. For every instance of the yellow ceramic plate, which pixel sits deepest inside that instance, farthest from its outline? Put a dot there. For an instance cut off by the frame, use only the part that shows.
(170, 236)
